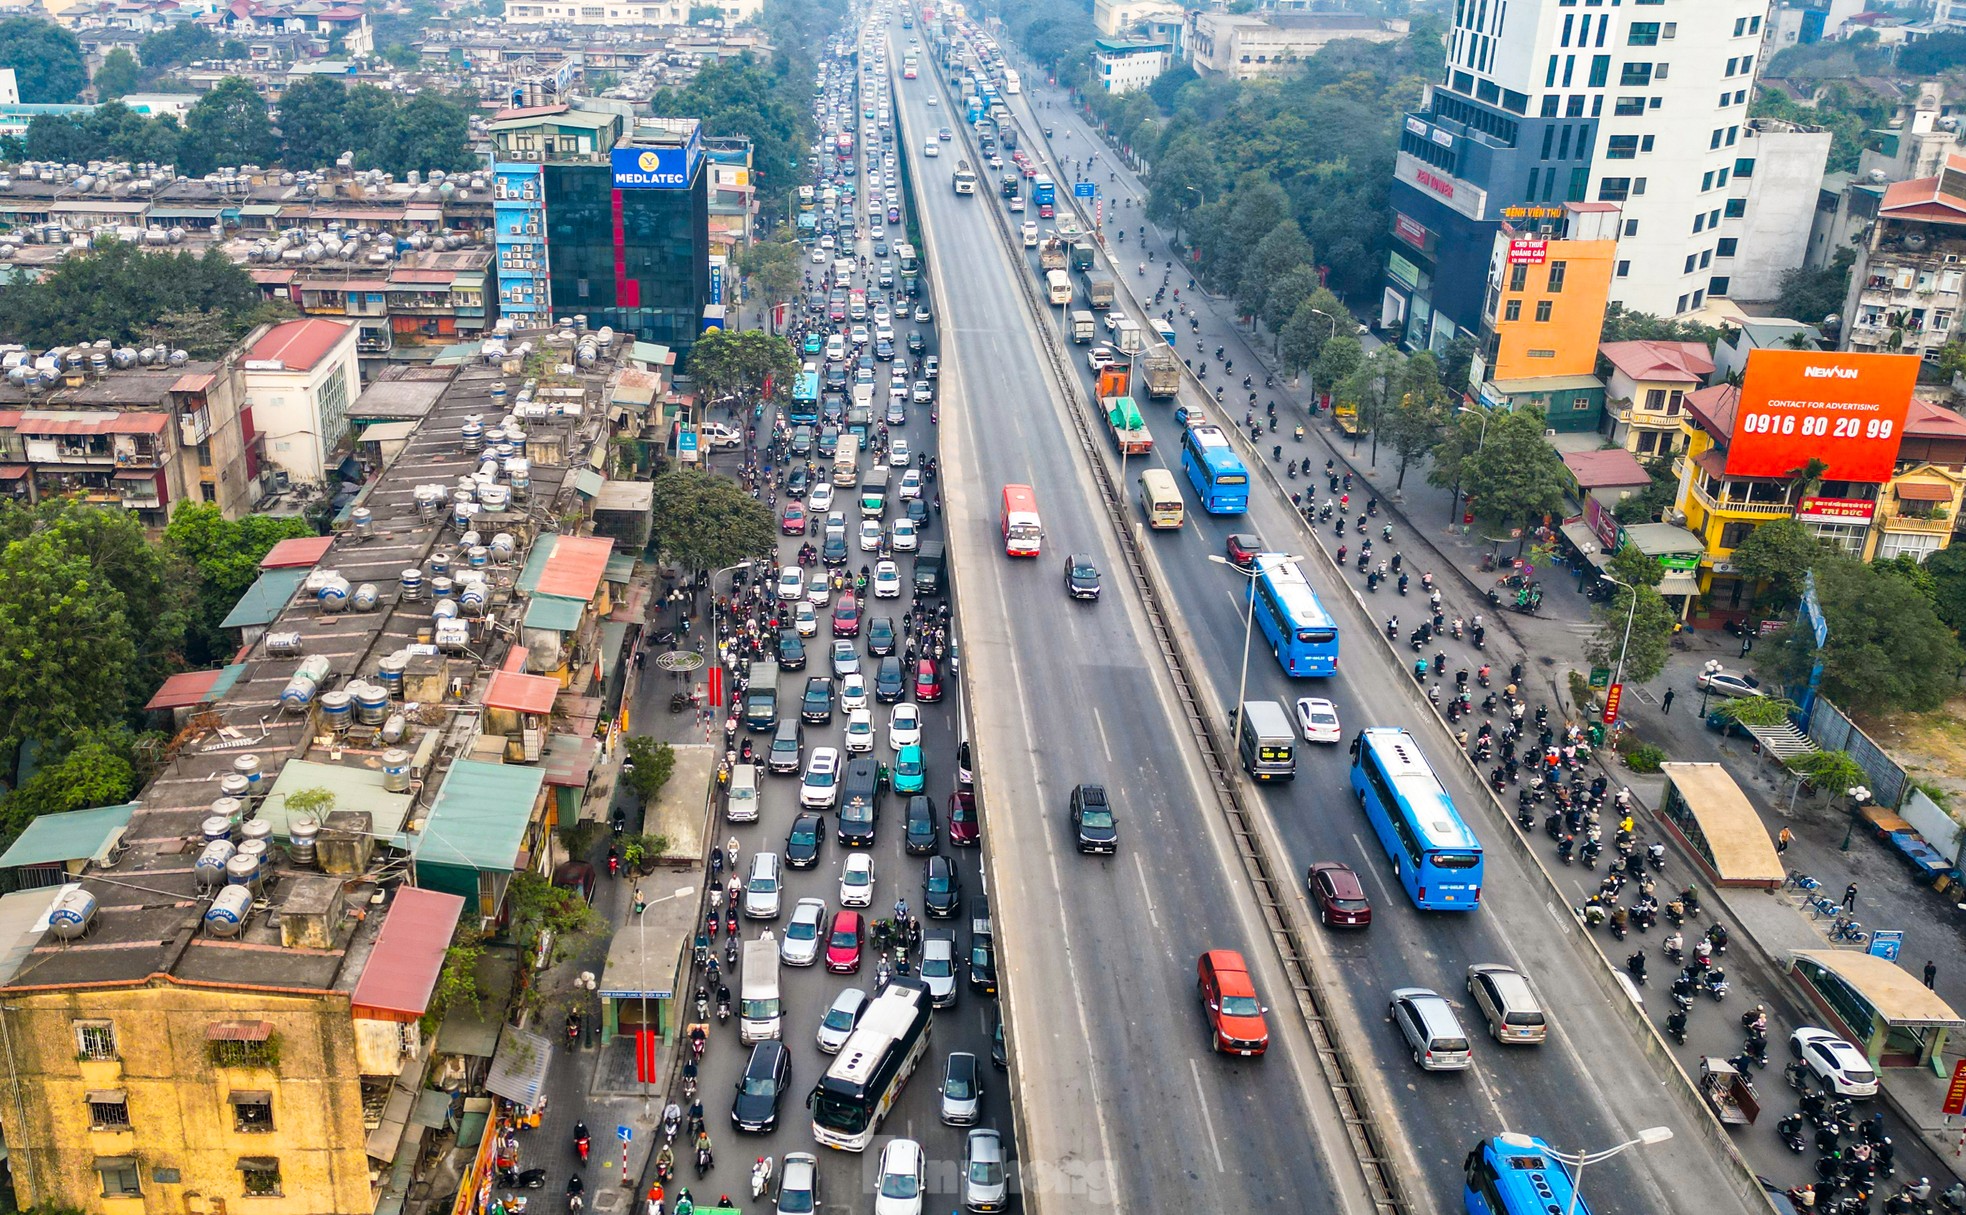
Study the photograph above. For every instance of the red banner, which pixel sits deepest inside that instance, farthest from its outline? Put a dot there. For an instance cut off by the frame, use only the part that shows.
(646, 1042)
(1844, 407)
(716, 685)
(1612, 695)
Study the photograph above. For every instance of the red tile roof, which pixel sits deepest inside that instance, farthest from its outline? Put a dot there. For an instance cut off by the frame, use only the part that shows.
(296, 553)
(1611, 466)
(1683, 362)
(40, 422)
(1713, 409)
(1939, 199)
(185, 689)
(1929, 421)
(576, 567)
(299, 345)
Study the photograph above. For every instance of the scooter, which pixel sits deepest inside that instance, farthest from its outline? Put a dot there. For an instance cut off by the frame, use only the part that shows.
(760, 1176)
(581, 1142)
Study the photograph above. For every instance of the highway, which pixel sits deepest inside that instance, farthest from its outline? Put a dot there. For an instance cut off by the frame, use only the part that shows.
(1078, 693)
(1119, 1100)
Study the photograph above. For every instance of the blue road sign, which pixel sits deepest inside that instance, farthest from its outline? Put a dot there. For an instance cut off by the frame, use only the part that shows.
(624, 1133)
(1084, 189)
(1886, 944)
(686, 442)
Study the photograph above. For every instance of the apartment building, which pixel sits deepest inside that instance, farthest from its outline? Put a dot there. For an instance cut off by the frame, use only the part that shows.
(1905, 287)
(1549, 273)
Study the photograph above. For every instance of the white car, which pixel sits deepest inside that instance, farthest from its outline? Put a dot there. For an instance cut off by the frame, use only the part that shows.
(716, 434)
(857, 335)
(929, 149)
(904, 728)
(805, 618)
(764, 889)
(911, 484)
(819, 500)
(834, 1029)
(800, 944)
(938, 969)
(1727, 683)
(903, 536)
(857, 880)
(898, 1189)
(791, 583)
(933, 100)
(798, 1181)
(1318, 719)
(1840, 1066)
(870, 535)
(898, 455)
(859, 731)
(819, 257)
(924, 392)
(1101, 357)
(887, 580)
(853, 692)
(820, 589)
(820, 787)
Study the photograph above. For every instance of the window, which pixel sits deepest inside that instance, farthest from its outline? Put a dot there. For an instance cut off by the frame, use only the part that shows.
(1624, 269)
(1614, 189)
(1629, 107)
(1549, 139)
(251, 1111)
(1754, 25)
(1720, 178)
(95, 1039)
(1689, 264)
(109, 1110)
(1706, 179)
(241, 1044)
(1542, 310)
(1671, 30)
(1550, 103)
(1713, 140)
(1736, 207)
(1638, 185)
(1744, 167)
(1540, 354)
(120, 1177)
(1718, 285)
(1732, 133)
(1518, 277)
(1740, 26)
(1726, 247)
(1635, 75)
(1573, 106)
(1643, 33)
(1621, 147)
(1731, 534)
(1631, 227)
(1706, 258)
(1556, 277)
(1655, 398)
(260, 1175)
(1512, 311)
(1699, 223)
(1600, 71)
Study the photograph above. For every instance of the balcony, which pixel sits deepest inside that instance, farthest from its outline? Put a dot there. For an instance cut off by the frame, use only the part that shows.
(194, 426)
(1915, 523)
(1728, 505)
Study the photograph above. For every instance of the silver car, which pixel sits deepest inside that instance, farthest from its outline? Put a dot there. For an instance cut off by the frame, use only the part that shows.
(839, 1022)
(939, 968)
(962, 1090)
(846, 659)
(798, 1184)
(985, 1187)
(800, 945)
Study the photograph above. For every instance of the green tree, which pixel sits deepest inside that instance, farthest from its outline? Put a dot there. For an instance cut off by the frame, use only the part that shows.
(119, 74)
(95, 770)
(118, 291)
(224, 556)
(1887, 647)
(62, 626)
(1374, 387)
(174, 46)
(1456, 361)
(705, 523)
(772, 269)
(228, 126)
(1515, 477)
(47, 60)
(1412, 427)
(1777, 553)
(738, 363)
(1947, 570)
(1282, 250)
(1337, 358)
(1651, 619)
(1649, 505)
(1632, 566)
(313, 123)
(653, 764)
(1623, 325)
(429, 131)
(1286, 295)
(1811, 294)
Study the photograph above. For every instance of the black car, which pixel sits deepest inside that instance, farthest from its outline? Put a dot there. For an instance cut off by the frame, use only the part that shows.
(880, 248)
(1092, 819)
(802, 845)
(999, 1054)
(918, 512)
(880, 636)
(817, 705)
(916, 342)
(889, 686)
(832, 550)
(982, 957)
(1081, 577)
(922, 832)
(765, 1079)
(942, 890)
(798, 482)
(802, 439)
(884, 350)
(835, 377)
(787, 748)
(791, 650)
(829, 441)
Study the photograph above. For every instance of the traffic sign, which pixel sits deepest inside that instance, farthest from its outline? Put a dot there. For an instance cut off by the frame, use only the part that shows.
(1084, 189)
(1886, 943)
(1612, 696)
(1956, 1091)
(624, 1132)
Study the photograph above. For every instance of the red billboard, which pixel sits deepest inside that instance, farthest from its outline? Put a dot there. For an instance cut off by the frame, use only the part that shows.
(1844, 408)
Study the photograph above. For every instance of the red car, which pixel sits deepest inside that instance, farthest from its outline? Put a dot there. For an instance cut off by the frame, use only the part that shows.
(964, 829)
(1242, 548)
(928, 682)
(1235, 1015)
(843, 944)
(846, 617)
(1339, 896)
(793, 521)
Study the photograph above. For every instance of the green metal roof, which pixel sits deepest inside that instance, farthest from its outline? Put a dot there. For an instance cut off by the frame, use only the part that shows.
(621, 567)
(588, 482)
(75, 835)
(265, 599)
(480, 816)
(542, 552)
(353, 788)
(554, 612)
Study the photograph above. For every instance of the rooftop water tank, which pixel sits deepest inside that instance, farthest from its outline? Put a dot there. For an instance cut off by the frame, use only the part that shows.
(73, 912)
(227, 915)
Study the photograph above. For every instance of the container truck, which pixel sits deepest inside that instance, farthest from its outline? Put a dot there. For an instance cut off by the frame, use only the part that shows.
(1098, 289)
(1084, 327)
(1128, 428)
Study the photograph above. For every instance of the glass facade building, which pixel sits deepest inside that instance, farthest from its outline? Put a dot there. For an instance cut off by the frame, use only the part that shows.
(635, 259)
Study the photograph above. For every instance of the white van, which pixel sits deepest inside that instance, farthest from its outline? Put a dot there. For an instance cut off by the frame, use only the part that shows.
(1030, 236)
(931, 148)
(741, 802)
(760, 1011)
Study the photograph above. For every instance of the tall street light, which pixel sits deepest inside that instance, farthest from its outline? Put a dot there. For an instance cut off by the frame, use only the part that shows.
(1631, 614)
(1313, 368)
(1577, 1160)
(1248, 620)
(1485, 416)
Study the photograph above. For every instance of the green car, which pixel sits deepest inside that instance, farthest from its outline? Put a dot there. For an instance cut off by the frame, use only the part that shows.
(910, 774)
(814, 344)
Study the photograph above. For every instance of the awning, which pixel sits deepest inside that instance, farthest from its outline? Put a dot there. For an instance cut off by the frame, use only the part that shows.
(433, 1108)
(1782, 740)
(238, 1031)
(388, 1133)
(1895, 993)
(105, 1096)
(1919, 491)
(71, 835)
(12, 472)
(1679, 582)
(518, 1071)
(1585, 541)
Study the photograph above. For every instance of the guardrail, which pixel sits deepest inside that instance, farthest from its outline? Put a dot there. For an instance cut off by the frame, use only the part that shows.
(1270, 884)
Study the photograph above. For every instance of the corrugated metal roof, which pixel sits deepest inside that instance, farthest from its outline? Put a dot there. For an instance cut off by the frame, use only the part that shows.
(408, 955)
(554, 612)
(265, 599)
(353, 789)
(188, 688)
(480, 816)
(542, 551)
(55, 839)
(576, 567)
(521, 693)
(297, 552)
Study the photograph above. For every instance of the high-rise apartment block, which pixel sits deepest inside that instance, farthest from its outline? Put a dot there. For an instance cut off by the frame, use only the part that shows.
(1642, 104)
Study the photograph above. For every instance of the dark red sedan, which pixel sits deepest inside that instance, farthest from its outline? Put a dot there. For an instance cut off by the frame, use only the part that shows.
(846, 617)
(928, 682)
(1339, 896)
(964, 829)
(1243, 547)
(793, 520)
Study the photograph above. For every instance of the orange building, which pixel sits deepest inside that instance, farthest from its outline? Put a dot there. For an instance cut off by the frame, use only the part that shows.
(1549, 278)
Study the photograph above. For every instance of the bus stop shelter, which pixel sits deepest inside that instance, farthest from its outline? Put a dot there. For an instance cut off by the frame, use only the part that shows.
(1883, 1008)
(1719, 827)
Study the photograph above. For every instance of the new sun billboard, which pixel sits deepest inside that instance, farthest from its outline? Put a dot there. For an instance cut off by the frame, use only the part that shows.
(1843, 408)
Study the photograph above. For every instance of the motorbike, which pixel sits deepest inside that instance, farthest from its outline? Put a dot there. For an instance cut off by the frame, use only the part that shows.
(1714, 982)
(1791, 1131)
(1676, 1025)
(581, 1142)
(760, 1176)
(1635, 967)
(529, 1179)
(576, 1193)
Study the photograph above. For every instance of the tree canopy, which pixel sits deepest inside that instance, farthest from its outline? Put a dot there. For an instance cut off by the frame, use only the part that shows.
(1511, 475)
(706, 523)
(224, 554)
(741, 362)
(1810, 294)
(47, 60)
(1651, 622)
(119, 291)
(119, 74)
(1887, 647)
(1778, 553)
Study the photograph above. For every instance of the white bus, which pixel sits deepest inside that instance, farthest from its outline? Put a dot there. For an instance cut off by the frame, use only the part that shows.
(1160, 499)
(873, 1067)
(1012, 83)
(1058, 287)
(846, 461)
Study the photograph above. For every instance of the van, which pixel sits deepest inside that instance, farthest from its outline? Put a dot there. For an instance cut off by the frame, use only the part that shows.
(760, 1010)
(1508, 1003)
(761, 698)
(873, 493)
(860, 802)
(1432, 1032)
(931, 569)
(741, 800)
(1268, 742)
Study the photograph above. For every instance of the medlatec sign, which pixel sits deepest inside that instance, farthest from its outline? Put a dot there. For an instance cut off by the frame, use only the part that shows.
(656, 168)
(1844, 408)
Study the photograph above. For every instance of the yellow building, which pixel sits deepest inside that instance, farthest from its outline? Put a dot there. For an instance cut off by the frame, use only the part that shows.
(1645, 389)
(1549, 276)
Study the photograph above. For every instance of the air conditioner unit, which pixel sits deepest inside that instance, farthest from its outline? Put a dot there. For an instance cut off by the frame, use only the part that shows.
(1952, 259)
(1549, 434)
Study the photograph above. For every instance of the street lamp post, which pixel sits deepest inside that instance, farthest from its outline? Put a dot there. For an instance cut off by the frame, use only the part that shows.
(716, 620)
(1248, 623)
(1631, 614)
(1483, 414)
(1711, 668)
(1577, 1160)
(1858, 795)
(1313, 369)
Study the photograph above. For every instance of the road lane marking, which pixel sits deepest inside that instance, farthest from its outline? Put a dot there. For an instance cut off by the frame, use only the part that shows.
(1099, 723)
(1208, 1120)
(1146, 888)
(1372, 871)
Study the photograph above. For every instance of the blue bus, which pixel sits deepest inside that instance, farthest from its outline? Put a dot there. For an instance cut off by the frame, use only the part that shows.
(1302, 635)
(1214, 470)
(1515, 1174)
(804, 409)
(1434, 854)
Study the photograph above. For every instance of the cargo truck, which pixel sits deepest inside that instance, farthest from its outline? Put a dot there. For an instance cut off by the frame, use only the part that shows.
(1127, 335)
(1098, 289)
(1128, 428)
(1085, 327)
(1082, 255)
(1161, 368)
(761, 698)
(1051, 255)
